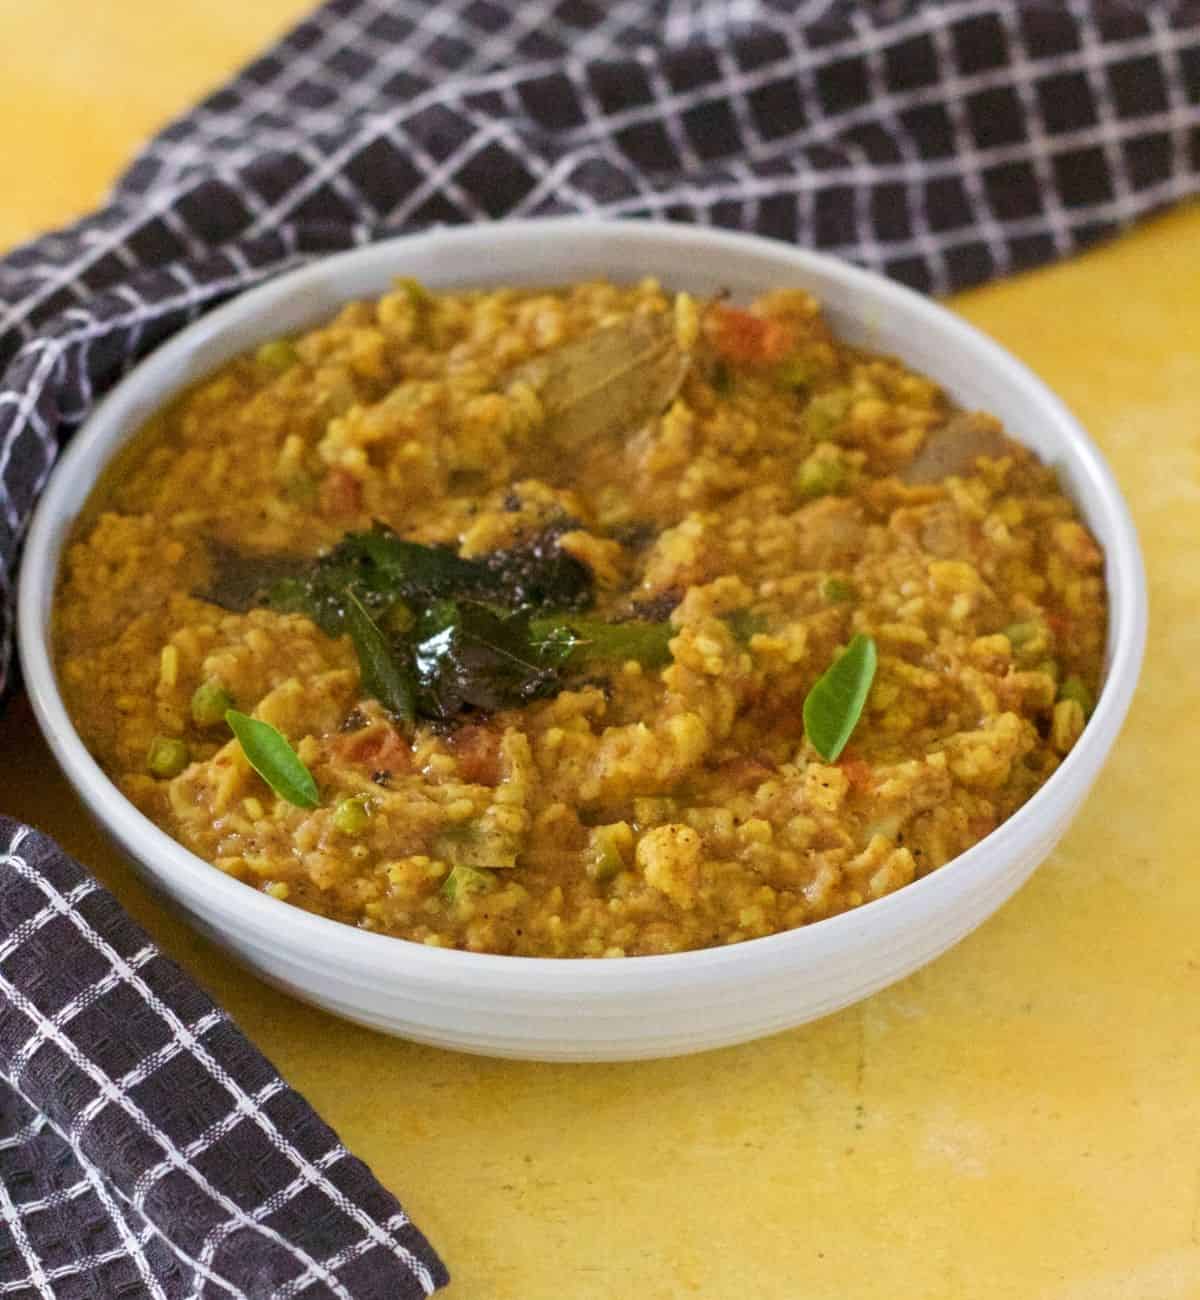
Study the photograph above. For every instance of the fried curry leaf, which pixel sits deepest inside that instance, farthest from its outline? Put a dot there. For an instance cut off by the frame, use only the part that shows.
(269, 754)
(380, 568)
(385, 675)
(538, 573)
(409, 569)
(577, 640)
(240, 580)
(471, 656)
(835, 703)
(480, 640)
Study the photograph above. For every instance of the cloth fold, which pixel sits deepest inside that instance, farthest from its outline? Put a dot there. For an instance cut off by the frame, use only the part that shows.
(146, 1148)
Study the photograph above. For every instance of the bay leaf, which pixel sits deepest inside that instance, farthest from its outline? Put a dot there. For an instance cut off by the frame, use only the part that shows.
(609, 382)
(955, 447)
(239, 580)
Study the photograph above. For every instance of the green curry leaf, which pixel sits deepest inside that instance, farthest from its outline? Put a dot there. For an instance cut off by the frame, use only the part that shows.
(835, 703)
(269, 754)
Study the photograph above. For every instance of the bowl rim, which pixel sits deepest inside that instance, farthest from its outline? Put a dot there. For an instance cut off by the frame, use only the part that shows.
(449, 969)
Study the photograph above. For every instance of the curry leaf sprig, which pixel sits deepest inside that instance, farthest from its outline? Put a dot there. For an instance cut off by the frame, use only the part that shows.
(485, 633)
(379, 569)
(835, 702)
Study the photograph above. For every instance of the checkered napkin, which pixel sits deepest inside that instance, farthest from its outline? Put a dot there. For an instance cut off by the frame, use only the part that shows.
(146, 1148)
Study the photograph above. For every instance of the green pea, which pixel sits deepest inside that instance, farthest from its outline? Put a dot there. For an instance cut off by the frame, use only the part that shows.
(1050, 667)
(821, 477)
(795, 375)
(277, 354)
(166, 757)
(1020, 634)
(1074, 688)
(210, 702)
(839, 591)
(605, 859)
(352, 816)
(721, 379)
(825, 413)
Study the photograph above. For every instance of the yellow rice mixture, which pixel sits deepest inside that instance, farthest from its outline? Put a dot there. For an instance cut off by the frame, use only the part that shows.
(639, 811)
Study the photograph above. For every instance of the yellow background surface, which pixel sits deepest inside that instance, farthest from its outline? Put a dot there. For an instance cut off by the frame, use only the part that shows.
(1019, 1121)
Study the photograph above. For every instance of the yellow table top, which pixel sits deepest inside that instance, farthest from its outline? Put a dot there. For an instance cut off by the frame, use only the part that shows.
(1018, 1121)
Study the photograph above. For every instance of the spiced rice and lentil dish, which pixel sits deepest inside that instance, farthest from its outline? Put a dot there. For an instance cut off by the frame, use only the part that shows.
(548, 682)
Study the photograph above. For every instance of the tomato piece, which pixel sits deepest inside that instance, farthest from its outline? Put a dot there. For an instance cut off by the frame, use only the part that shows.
(779, 341)
(1060, 624)
(380, 747)
(858, 772)
(740, 336)
(476, 750)
(341, 494)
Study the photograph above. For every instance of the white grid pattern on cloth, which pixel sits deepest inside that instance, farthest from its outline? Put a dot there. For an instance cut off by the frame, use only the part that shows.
(109, 1094)
(1095, 63)
(132, 1243)
(16, 1224)
(337, 34)
(128, 971)
(939, 19)
(25, 1134)
(342, 1257)
(59, 1196)
(967, 155)
(766, 186)
(112, 1200)
(1056, 214)
(469, 81)
(1169, 54)
(887, 105)
(89, 1265)
(600, 127)
(51, 1025)
(378, 115)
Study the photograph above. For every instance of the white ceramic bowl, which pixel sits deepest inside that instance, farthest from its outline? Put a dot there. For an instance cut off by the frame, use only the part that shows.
(645, 1006)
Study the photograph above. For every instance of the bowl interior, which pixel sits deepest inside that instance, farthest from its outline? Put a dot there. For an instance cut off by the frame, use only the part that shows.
(861, 307)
